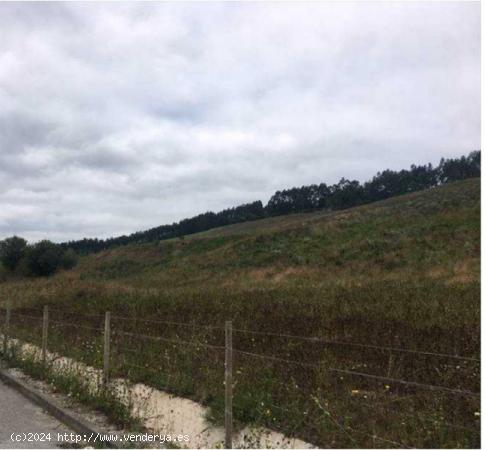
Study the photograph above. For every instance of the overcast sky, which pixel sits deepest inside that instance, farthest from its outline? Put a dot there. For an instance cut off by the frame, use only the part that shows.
(117, 117)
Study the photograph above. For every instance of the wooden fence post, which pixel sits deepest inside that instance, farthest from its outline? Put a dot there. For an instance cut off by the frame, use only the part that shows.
(45, 325)
(228, 386)
(6, 330)
(107, 330)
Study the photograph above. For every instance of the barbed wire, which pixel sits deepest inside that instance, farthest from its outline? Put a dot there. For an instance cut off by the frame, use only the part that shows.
(354, 344)
(13, 313)
(122, 350)
(75, 325)
(169, 322)
(408, 383)
(364, 375)
(283, 360)
(57, 322)
(282, 335)
(98, 316)
(173, 341)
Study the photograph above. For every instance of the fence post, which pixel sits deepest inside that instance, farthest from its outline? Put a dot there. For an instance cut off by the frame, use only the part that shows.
(228, 386)
(6, 330)
(107, 329)
(45, 325)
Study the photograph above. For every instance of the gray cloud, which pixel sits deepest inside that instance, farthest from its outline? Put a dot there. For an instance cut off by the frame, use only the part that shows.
(116, 117)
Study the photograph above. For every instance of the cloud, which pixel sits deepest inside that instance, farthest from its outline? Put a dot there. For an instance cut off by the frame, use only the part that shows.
(117, 117)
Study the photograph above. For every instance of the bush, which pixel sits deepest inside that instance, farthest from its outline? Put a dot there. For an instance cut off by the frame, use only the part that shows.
(41, 259)
(44, 258)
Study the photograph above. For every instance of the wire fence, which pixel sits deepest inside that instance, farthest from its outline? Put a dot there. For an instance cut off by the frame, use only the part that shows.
(330, 393)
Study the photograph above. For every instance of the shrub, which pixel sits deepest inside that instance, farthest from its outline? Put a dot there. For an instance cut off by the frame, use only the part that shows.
(45, 258)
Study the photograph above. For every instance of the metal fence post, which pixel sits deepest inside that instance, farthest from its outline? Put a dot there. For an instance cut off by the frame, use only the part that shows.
(6, 330)
(45, 325)
(107, 330)
(228, 386)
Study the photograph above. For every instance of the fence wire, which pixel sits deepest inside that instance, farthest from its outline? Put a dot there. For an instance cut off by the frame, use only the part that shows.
(203, 363)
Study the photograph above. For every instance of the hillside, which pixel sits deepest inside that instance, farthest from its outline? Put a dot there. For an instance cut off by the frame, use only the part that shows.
(430, 235)
(402, 272)
(342, 195)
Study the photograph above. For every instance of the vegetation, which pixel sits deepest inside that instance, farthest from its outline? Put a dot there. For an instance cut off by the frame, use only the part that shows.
(344, 194)
(41, 259)
(12, 250)
(45, 258)
(400, 273)
(68, 381)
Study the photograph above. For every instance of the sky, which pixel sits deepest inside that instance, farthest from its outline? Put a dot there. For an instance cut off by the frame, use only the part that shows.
(118, 117)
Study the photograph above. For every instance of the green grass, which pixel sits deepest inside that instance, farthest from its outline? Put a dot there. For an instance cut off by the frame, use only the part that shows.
(72, 383)
(404, 272)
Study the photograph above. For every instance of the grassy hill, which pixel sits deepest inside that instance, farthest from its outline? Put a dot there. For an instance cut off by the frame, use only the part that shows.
(403, 272)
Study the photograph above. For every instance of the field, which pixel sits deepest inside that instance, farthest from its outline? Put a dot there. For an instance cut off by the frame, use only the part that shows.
(399, 274)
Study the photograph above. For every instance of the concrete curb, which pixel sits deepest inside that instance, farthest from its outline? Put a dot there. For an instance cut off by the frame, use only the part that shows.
(49, 404)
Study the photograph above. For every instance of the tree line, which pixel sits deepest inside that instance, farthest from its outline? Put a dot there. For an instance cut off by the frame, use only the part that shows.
(45, 258)
(201, 222)
(344, 194)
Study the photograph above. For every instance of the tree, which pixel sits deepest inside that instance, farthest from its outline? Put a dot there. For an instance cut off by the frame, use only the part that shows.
(44, 258)
(12, 251)
(459, 168)
(346, 194)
